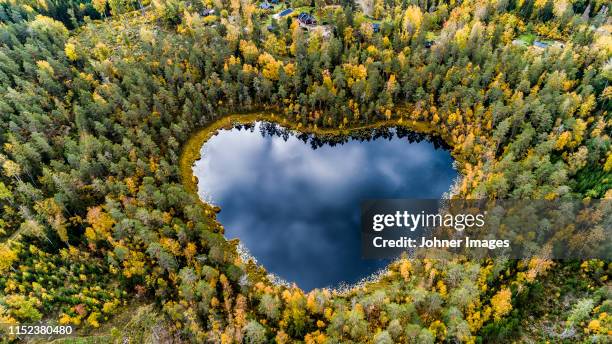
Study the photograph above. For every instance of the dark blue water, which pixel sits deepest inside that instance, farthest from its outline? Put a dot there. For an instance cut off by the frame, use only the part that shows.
(293, 201)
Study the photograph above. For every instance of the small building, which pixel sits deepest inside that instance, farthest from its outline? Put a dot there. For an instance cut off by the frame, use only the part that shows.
(283, 13)
(540, 44)
(266, 6)
(206, 13)
(306, 19)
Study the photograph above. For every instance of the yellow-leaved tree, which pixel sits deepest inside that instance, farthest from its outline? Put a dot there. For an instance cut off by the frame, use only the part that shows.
(412, 19)
(7, 257)
(501, 303)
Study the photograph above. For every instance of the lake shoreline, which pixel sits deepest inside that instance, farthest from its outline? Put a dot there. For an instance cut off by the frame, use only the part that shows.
(191, 153)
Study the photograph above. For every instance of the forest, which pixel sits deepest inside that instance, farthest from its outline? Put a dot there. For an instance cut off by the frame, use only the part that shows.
(98, 98)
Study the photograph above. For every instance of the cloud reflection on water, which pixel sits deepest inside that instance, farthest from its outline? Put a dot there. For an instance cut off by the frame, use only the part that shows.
(297, 209)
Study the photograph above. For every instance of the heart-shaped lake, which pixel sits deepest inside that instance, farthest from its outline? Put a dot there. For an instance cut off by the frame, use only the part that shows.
(293, 200)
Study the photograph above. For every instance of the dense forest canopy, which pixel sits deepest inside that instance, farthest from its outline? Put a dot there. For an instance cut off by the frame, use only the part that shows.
(98, 97)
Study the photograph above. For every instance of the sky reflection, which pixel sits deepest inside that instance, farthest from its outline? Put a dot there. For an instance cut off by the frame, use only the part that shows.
(297, 209)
